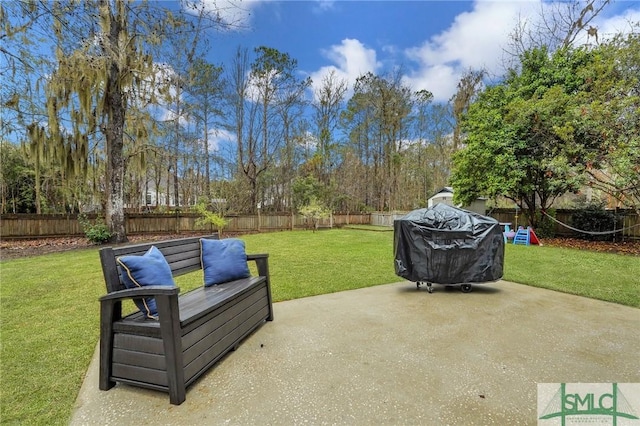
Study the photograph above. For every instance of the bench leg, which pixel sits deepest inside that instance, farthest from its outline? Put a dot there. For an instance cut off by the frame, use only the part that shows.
(106, 345)
(270, 299)
(172, 340)
(177, 396)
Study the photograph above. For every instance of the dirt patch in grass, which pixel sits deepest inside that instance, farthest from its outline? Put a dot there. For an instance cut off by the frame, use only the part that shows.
(621, 247)
(14, 249)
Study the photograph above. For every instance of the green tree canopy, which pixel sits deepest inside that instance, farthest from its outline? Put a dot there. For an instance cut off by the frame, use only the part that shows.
(564, 120)
(521, 138)
(16, 181)
(609, 116)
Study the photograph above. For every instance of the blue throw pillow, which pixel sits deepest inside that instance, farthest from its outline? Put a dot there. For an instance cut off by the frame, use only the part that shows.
(223, 260)
(149, 269)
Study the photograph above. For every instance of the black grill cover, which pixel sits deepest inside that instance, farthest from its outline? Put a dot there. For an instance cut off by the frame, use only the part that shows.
(447, 245)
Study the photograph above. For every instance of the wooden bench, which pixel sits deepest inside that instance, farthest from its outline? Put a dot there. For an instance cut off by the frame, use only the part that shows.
(194, 329)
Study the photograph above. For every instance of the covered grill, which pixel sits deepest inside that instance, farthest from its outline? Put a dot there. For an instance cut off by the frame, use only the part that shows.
(448, 245)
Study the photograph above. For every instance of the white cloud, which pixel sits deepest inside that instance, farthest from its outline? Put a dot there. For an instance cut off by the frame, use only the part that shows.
(165, 91)
(478, 40)
(323, 6)
(236, 13)
(440, 79)
(475, 40)
(219, 137)
(350, 58)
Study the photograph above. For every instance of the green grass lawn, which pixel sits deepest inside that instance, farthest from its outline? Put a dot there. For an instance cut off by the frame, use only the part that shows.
(604, 276)
(49, 307)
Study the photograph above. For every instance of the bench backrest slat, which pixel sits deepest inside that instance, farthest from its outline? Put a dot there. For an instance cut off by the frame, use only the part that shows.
(183, 256)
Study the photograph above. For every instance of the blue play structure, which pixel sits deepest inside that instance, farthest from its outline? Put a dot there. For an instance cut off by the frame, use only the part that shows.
(525, 236)
(522, 237)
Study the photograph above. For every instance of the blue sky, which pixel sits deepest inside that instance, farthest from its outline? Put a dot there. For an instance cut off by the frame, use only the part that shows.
(433, 41)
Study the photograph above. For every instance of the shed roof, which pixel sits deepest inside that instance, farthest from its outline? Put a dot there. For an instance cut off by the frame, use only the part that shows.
(444, 190)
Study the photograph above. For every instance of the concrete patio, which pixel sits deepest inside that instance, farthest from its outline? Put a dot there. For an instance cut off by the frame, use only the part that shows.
(392, 355)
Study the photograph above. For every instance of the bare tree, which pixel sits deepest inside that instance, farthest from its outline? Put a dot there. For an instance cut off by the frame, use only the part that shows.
(327, 104)
(468, 87)
(559, 25)
(205, 105)
(377, 119)
(242, 119)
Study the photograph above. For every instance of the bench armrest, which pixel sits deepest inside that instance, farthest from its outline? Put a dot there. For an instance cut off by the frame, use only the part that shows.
(262, 262)
(147, 291)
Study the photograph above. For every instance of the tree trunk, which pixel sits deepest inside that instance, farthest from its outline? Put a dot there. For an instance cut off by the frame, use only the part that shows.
(176, 150)
(115, 169)
(37, 183)
(114, 110)
(207, 160)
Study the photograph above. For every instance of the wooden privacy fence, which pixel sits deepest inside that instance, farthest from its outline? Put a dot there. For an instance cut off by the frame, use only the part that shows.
(35, 226)
(627, 220)
(385, 218)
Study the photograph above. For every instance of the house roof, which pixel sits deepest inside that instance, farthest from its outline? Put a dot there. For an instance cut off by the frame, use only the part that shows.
(444, 190)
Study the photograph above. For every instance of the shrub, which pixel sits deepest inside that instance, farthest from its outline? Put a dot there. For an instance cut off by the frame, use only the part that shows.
(546, 227)
(313, 212)
(209, 218)
(594, 218)
(96, 233)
